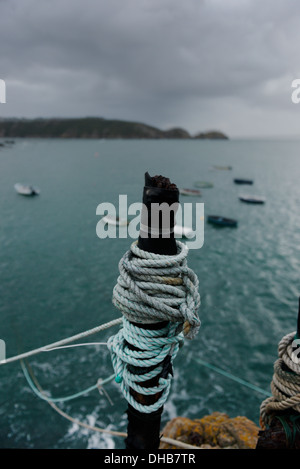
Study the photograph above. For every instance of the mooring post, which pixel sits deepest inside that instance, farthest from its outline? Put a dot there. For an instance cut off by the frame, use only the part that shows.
(280, 413)
(158, 295)
(144, 429)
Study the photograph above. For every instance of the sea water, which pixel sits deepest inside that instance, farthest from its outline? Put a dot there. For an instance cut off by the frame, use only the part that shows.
(57, 277)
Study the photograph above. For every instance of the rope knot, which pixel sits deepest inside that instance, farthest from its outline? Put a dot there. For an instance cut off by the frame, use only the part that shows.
(192, 323)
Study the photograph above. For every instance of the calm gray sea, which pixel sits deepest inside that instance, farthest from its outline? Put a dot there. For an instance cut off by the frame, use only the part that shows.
(57, 277)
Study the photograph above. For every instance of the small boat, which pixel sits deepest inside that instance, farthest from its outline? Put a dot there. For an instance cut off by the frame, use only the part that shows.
(115, 220)
(203, 184)
(225, 168)
(192, 192)
(23, 189)
(250, 199)
(243, 181)
(221, 221)
(183, 232)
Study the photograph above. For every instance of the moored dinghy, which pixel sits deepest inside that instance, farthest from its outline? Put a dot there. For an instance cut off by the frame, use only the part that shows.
(243, 181)
(224, 168)
(191, 192)
(252, 199)
(203, 184)
(221, 221)
(116, 221)
(24, 189)
(183, 232)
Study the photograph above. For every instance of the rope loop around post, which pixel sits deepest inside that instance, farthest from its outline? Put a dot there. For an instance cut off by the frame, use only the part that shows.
(153, 353)
(152, 300)
(152, 288)
(285, 385)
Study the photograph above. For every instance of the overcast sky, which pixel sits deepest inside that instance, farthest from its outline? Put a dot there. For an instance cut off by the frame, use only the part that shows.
(195, 64)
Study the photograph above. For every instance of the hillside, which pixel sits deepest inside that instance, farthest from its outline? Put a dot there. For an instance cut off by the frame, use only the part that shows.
(91, 127)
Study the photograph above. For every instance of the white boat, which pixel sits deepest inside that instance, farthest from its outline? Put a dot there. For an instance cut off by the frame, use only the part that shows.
(183, 232)
(26, 190)
(116, 221)
(191, 192)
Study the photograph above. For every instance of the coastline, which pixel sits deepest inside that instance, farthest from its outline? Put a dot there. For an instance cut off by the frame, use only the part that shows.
(95, 128)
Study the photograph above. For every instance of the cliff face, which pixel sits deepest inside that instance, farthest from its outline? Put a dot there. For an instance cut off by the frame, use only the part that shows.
(89, 127)
(215, 431)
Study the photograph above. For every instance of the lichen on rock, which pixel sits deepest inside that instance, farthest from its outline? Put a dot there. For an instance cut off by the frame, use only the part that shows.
(215, 431)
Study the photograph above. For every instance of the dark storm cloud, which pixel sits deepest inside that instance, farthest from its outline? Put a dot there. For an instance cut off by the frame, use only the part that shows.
(196, 64)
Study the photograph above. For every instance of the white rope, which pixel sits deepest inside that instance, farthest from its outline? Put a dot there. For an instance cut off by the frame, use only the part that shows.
(47, 348)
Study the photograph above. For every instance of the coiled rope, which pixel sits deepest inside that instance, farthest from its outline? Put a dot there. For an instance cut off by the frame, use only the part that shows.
(285, 385)
(152, 288)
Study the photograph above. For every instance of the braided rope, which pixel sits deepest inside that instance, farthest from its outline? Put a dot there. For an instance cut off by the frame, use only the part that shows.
(152, 288)
(285, 385)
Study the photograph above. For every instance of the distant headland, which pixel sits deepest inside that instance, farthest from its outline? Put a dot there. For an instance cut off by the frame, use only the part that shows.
(94, 127)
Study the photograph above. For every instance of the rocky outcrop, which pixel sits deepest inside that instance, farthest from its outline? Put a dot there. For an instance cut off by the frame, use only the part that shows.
(215, 431)
(212, 135)
(176, 133)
